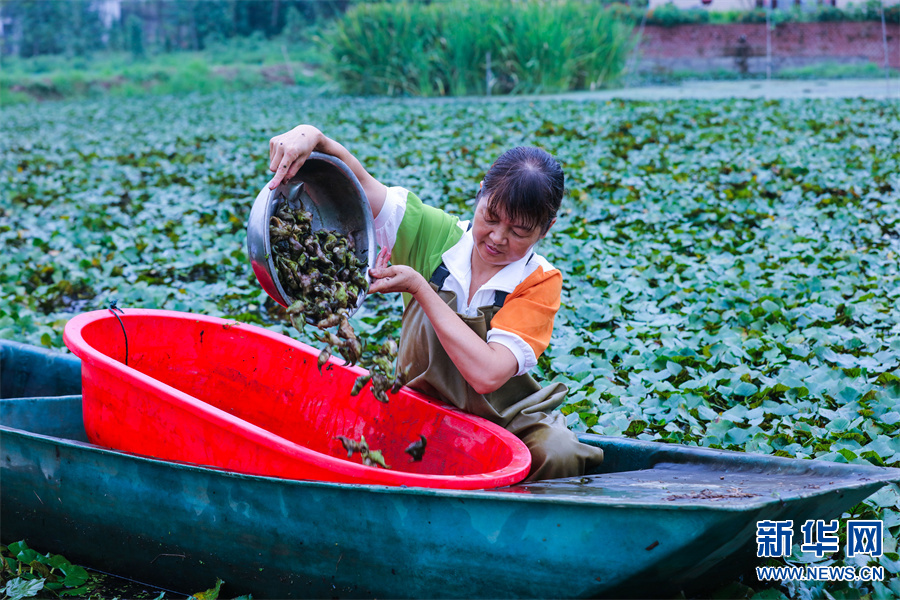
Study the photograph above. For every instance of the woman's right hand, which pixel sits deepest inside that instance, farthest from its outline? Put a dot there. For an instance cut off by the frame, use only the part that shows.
(288, 152)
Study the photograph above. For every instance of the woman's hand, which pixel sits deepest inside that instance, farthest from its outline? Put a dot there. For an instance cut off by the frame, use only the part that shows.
(388, 278)
(486, 366)
(288, 152)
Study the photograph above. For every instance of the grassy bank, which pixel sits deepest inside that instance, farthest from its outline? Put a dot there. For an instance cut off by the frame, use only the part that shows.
(823, 70)
(238, 64)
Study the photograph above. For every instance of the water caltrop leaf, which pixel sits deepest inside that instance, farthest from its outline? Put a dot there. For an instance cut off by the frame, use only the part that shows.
(16, 547)
(210, 594)
(27, 556)
(19, 588)
(75, 575)
(730, 267)
(674, 368)
(769, 306)
(58, 561)
(745, 389)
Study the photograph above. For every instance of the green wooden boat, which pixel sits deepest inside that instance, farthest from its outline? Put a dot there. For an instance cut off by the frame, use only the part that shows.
(656, 519)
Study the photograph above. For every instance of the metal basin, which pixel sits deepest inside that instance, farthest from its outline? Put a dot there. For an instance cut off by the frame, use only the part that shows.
(326, 187)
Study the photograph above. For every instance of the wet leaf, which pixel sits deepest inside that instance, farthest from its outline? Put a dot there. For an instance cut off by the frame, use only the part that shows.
(416, 450)
(75, 575)
(19, 588)
(210, 594)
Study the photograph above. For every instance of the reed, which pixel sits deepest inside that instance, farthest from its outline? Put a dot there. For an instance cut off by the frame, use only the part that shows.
(439, 49)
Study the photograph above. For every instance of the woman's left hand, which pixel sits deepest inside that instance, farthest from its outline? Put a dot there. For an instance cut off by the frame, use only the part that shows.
(486, 366)
(388, 278)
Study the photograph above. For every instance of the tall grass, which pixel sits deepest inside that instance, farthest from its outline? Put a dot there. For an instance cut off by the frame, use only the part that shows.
(441, 48)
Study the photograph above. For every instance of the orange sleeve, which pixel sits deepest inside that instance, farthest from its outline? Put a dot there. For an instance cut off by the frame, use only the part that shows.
(530, 309)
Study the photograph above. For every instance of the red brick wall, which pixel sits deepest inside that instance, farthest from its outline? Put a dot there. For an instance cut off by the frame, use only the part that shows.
(841, 41)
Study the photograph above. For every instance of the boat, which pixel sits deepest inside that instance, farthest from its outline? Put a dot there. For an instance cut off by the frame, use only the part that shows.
(655, 519)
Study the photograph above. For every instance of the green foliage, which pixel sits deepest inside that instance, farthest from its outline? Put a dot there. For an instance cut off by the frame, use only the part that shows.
(235, 64)
(440, 49)
(821, 70)
(731, 267)
(25, 573)
(135, 27)
(74, 27)
(71, 27)
(670, 15)
(210, 594)
(295, 26)
(832, 70)
(867, 11)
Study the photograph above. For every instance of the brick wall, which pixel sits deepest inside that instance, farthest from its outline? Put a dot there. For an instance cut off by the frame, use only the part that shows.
(742, 46)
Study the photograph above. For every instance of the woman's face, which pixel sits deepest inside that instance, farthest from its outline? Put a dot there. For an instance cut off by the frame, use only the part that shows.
(498, 241)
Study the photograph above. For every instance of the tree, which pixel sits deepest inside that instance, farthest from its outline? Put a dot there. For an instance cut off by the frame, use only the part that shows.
(214, 21)
(42, 27)
(135, 28)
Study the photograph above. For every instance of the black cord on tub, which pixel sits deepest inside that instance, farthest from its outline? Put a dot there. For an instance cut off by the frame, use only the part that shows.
(113, 308)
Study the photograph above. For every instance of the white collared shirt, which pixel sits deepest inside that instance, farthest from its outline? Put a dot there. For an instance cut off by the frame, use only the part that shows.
(458, 260)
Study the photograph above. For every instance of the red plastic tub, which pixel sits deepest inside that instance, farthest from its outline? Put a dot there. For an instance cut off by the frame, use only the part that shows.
(213, 392)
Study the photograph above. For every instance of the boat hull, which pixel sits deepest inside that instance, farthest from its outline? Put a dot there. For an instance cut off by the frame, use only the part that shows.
(178, 525)
(638, 528)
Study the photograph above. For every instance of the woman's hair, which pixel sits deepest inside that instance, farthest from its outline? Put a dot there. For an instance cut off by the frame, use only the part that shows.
(527, 185)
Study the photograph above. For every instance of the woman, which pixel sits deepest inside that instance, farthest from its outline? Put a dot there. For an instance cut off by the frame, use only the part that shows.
(479, 301)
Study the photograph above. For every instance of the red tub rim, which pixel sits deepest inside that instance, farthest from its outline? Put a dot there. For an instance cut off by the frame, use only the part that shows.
(515, 471)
